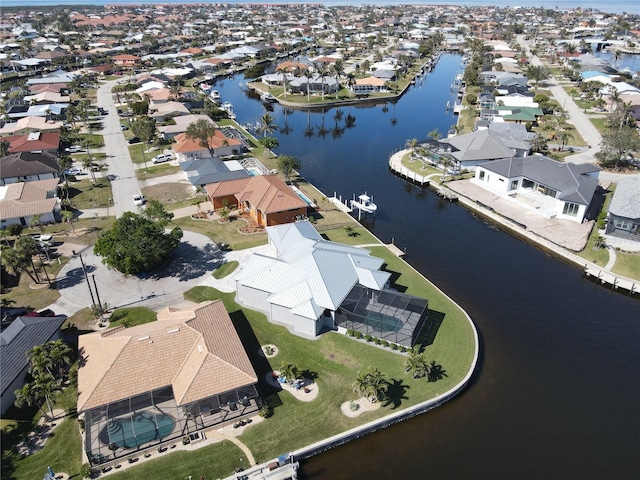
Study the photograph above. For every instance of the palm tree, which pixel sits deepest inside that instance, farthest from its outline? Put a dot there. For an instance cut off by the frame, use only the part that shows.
(67, 216)
(87, 163)
(17, 259)
(40, 362)
(434, 134)
(59, 354)
(321, 71)
(36, 220)
(412, 143)
(290, 372)
(28, 395)
(564, 137)
(4, 148)
(371, 384)
(338, 70)
(417, 365)
(266, 124)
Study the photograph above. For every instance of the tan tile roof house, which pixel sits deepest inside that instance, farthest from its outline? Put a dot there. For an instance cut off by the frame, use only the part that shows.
(19, 202)
(189, 365)
(267, 198)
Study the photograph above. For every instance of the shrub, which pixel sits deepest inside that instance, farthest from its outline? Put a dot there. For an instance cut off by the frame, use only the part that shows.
(350, 332)
(85, 471)
(403, 349)
(377, 341)
(385, 343)
(368, 337)
(394, 346)
(14, 229)
(265, 411)
(359, 335)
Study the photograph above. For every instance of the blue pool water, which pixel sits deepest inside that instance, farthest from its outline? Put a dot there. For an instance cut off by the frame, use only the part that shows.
(140, 428)
(382, 323)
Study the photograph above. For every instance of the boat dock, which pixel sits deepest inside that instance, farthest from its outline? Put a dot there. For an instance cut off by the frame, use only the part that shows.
(342, 206)
(609, 279)
(395, 164)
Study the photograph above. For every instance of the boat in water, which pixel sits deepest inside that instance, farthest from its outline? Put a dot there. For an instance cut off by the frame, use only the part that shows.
(267, 97)
(214, 94)
(364, 203)
(227, 107)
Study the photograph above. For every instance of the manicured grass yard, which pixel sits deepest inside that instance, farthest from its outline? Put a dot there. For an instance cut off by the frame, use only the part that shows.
(157, 171)
(627, 265)
(225, 269)
(88, 194)
(222, 232)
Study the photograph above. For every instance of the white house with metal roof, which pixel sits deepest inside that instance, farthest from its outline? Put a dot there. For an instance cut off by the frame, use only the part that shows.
(312, 285)
(551, 188)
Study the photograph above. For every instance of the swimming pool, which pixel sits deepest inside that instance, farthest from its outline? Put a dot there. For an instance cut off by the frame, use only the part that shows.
(306, 199)
(382, 323)
(136, 430)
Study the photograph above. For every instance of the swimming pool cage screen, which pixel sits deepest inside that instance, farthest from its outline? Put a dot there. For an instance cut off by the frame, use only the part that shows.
(135, 423)
(386, 314)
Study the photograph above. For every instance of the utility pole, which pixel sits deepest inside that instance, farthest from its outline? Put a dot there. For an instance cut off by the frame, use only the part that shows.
(86, 277)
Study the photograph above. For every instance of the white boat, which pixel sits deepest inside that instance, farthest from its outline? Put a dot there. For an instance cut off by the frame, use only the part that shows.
(227, 107)
(214, 94)
(364, 203)
(267, 97)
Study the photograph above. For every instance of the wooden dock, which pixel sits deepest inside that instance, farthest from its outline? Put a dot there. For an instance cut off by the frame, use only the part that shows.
(339, 203)
(610, 279)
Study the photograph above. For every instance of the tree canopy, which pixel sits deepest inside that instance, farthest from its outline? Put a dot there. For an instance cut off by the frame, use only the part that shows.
(202, 131)
(287, 165)
(137, 242)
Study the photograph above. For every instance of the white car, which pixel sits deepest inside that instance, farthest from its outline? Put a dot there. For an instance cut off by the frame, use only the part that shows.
(74, 149)
(163, 157)
(138, 200)
(73, 171)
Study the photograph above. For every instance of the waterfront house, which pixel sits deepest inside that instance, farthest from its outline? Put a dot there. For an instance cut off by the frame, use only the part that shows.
(145, 385)
(311, 285)
(550, 188)
(16, 341)
(219, 145)
(266, 198)
(202, 172)
(624, 210)
(484, 145)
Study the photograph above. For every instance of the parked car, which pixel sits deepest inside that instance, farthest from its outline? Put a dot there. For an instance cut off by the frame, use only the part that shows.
(139, 200)
(134, 140)
(73, 171)
(10, 314)
(74, 149)
(163, 157)
(123, 127)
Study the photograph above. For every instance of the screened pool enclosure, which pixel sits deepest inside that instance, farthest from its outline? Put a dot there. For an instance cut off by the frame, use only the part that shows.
(386, 314)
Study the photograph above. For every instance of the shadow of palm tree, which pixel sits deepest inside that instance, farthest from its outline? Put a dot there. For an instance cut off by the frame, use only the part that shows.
(396, 392)
(72, 278)
(436, 372)
(306, 373)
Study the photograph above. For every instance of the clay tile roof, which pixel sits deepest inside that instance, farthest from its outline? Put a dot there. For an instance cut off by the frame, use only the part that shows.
(270, 194)
(27, 198)
(195, 350)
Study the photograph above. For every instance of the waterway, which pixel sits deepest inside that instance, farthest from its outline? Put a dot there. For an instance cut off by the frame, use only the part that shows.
(557, 390)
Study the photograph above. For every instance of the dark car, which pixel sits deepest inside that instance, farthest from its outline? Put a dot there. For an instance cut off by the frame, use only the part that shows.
(134, 140)
(10, 314)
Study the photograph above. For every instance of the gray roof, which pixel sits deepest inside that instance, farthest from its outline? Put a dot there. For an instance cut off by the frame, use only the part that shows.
(484, 145)
(626, 199)
(572, 181)
(27, 163)
(205, 171)
(517, 131)
(18, 339)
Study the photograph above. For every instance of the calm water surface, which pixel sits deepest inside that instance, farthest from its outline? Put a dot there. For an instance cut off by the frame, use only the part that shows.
(557, 391)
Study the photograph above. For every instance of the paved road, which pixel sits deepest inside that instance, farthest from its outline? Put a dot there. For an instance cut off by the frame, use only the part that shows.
(125, 184)
(580, 120)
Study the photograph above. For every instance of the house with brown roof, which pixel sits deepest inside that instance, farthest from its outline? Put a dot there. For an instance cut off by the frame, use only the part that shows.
(19, 202)
(267, 199)
(125, 60)
(146, 385)
(30, 124)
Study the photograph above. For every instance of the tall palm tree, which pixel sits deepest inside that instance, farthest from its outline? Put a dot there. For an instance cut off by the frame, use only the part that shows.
(67, 216)
(417, 365)
(29, 396)
(372, 384)
(338, 70)
(267, 124)
(36, 220)
(290, 372)
(40, 362)
(412, 143)
(87, 163)
(59, 354)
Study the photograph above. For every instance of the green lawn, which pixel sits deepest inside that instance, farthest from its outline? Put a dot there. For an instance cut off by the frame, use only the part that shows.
(157, 171)
(600, 124)
(130, 317)
(61, 452)
(225, 269)
(334, 360)
(417, 166)
(222, 232)
(627, 265)
(88, 194)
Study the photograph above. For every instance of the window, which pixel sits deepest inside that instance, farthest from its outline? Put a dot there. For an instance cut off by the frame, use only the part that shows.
(621, 224)
(514, 185)
(527, 183)
(481, 175)
(570, 209)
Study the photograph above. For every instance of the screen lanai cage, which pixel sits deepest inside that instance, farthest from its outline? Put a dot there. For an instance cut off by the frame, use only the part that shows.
(136, 423)
(387, 314)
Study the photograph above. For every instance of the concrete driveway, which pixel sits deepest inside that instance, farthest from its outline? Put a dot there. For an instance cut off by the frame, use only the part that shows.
(191, 264)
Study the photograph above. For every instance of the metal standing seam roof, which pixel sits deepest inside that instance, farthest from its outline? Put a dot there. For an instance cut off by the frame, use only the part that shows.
(322, 271)
(18, 339)
(570, 180)
(626, 199)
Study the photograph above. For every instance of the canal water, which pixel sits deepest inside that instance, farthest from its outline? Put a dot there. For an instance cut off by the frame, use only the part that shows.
(557, 390)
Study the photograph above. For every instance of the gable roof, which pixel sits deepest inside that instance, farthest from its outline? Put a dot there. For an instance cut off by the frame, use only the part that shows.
(20, 337)
(195, 350)
(269, 194)
(572, 181)
(34, 142)
(187, 145)
(312, 274)
(626, 199)
(205, 171)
